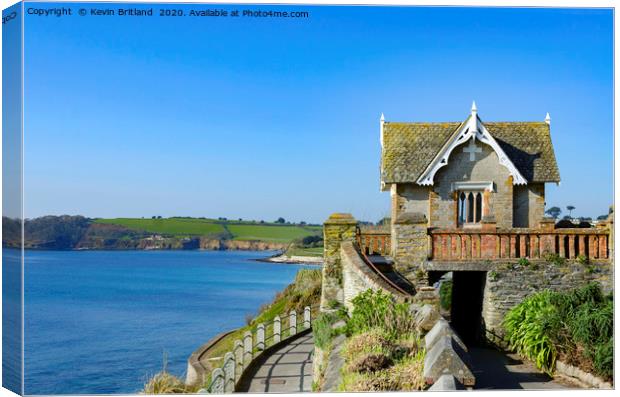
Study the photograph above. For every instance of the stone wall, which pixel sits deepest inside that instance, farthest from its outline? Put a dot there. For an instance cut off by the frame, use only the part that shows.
(529, 205)
(486, 168)
(337, 229)
(358, 277)
(409, 197)
(410, 246)
(508, 284)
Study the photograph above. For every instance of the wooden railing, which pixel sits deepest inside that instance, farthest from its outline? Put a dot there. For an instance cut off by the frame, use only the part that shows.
(463, 244)
(373, 241)
(225, 378)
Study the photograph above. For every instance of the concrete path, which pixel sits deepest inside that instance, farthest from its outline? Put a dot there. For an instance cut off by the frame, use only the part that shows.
(496, 370)
(287, 370)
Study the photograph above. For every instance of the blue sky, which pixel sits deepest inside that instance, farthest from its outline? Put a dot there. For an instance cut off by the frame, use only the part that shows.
(261, 118)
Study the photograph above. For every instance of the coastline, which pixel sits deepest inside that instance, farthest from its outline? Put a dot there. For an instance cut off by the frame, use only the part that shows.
(293, 259)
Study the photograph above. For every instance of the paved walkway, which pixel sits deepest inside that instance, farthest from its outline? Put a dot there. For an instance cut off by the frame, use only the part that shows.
(287, 370)
(496, 370)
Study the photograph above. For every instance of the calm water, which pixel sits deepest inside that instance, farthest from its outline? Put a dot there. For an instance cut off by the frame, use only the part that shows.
(100, 321)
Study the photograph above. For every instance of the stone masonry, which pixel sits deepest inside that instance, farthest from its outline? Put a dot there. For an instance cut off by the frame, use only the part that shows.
(443, 210)
(358, 277)
(508, 284)
(337, 229)
(410, 246)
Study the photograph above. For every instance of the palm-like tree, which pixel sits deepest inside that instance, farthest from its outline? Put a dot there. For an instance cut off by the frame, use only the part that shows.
(554, 212)
(570, 209)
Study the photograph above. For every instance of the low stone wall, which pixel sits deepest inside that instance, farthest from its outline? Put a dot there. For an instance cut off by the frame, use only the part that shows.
(358, 277)
(575, 373)
(245, 352)
(509, 283)
(195, 370)
(446, 365)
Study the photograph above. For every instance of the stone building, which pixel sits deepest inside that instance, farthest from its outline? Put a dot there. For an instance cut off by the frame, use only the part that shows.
(471, 174)
(468, 198)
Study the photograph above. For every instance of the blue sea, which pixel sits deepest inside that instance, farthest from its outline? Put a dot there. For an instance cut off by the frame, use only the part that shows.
(100, 322)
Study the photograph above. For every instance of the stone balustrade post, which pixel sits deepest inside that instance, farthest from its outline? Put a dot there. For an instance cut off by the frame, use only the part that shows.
(410, 246)
(247, 349)
(260, 337)
(217, 381)
(336, 229)
(229, 372)
(306, 317)
(277, 329)
(238, 351)
(293, 323)
(547, 224)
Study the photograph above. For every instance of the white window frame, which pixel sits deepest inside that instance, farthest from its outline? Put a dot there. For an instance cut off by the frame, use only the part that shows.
(472, 190)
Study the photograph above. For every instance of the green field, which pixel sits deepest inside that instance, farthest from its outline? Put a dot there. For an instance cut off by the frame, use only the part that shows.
(211, 227)
(169, 226)
(300, 251)
(272, 232)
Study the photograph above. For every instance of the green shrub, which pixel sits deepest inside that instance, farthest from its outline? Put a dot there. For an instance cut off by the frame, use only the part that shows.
(524, 262)
(576, 325)
(377, 309)
(582, 259)
(555, 259)
(526, 333)
(322, 329)
(604, 359)
(333, 304)
(445, 295)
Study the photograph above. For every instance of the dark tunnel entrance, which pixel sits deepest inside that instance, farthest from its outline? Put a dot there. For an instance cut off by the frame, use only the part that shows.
(466, 303)
(467, 293)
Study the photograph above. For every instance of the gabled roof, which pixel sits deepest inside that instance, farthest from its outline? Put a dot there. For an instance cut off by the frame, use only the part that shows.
(408, 149)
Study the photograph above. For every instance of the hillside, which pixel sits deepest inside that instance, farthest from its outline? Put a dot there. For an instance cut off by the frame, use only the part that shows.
(225, 229)
(78, 232)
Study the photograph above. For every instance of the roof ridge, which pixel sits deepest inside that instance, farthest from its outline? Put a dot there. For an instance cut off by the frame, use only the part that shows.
(425, 122)
(514, 122)
(459, 122)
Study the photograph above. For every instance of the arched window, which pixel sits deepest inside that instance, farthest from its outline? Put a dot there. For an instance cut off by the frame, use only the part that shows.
(478, 210)
(469, 207)
(461, 209)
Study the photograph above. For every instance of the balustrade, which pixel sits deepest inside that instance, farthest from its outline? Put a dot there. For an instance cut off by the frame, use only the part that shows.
(225, 378)
(463, 245)
(373, 242)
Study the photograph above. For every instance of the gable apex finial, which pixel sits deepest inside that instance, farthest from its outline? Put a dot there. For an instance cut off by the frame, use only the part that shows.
(548, 119)
(382, 119)
(474, 109)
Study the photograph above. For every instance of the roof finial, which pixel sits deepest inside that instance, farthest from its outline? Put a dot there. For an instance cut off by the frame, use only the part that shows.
(382, 117)
(548, 119)
(474, 109)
